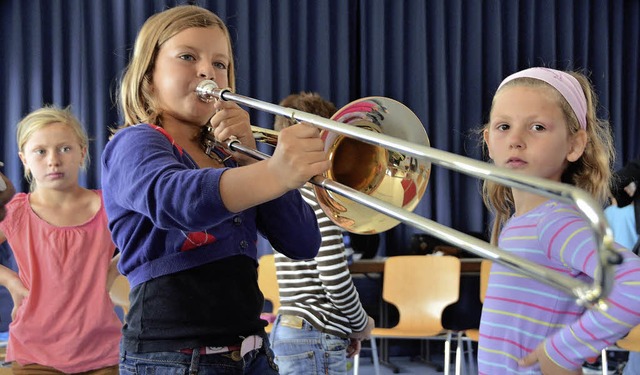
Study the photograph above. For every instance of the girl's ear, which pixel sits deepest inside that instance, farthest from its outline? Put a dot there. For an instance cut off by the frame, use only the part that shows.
(23, 159)
(485, 135)
(578, 144)
(84, 155)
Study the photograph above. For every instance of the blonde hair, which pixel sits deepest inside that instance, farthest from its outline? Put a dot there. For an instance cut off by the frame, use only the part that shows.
(137, 102)
(591, 172)
(43, 117)
(309, 102)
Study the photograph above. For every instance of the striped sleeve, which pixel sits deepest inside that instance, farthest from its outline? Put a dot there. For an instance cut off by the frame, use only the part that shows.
(570, 242)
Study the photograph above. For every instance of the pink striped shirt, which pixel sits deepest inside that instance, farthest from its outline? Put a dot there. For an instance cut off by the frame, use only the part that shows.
(520, 312)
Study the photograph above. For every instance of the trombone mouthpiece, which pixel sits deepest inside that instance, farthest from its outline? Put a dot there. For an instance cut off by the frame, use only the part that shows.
(206, 90)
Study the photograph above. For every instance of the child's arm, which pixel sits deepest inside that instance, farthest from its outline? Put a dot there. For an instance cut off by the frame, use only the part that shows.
(141, 171)
(573, 245)
(298, 157)
(10, 280)
(113, 272)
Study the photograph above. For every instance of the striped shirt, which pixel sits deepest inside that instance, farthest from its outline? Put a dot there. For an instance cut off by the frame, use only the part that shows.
(519, 312)
(320, 290)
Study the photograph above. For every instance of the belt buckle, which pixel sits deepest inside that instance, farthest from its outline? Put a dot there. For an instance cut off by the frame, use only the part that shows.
(291, 321)
(235, 355)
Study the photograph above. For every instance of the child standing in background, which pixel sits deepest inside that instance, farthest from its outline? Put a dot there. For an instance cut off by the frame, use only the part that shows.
(186, 219)
(328, 319)
(63, 318)
(543, 123)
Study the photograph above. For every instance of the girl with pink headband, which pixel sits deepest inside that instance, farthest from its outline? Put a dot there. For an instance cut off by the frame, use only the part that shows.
(543, 123)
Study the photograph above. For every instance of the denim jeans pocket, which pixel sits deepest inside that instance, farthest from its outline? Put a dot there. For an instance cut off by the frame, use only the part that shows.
(303, 363)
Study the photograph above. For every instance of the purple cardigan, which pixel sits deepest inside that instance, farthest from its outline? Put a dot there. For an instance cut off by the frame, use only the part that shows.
(166, 215)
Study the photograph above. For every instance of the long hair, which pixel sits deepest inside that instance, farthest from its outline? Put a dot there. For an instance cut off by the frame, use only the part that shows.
(591, 172)
(137, 104)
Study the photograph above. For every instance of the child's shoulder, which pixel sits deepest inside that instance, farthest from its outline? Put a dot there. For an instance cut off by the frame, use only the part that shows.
(17, 208)
(18, 200)
(142, 133)
(554, 207)
(549, 211)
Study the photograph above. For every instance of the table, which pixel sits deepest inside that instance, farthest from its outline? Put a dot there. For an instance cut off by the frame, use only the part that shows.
(363, 266)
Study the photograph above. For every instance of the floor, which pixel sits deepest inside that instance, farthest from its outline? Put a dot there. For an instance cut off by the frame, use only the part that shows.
(406, 365)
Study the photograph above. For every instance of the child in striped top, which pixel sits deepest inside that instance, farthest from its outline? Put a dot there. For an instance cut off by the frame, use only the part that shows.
(543, 123)
(320, 310)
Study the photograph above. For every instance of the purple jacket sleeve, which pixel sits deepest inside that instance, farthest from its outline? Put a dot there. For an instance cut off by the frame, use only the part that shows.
(143, 172)
(290, 226)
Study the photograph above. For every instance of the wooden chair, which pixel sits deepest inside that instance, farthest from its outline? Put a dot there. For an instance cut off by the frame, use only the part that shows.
(119, 293)
(630, 342)
(268, 283)
(485, 270)
(420, 287)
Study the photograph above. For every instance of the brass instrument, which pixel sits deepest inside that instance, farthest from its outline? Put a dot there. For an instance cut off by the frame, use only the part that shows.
(397, 164)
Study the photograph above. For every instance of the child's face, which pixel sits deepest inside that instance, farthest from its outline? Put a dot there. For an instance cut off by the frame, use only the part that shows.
(54, 156)
(528, 132)
(183, 61)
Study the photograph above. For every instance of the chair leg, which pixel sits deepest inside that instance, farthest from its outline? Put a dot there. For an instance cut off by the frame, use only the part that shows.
(356, 364)
(603, 362)
(471, 357)
(447, 354)
(459, 354)
(374, 354)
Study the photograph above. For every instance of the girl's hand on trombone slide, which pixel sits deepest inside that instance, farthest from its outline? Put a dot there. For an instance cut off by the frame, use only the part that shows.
(298, 156)
(229, 121)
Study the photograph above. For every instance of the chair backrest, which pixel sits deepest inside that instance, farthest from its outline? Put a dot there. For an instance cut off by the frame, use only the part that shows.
(485, 270)
(119, 293)
(268, 282)
(421, 286)
(631, 341)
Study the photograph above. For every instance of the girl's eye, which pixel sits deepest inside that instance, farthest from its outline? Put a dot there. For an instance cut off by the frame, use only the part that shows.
(538, 127)
(220, 65)
(66, 149)
(187, 57)
(502, 127)
(38, 152)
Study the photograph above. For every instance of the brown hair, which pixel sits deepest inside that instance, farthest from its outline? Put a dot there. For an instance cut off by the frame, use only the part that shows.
(309, 102)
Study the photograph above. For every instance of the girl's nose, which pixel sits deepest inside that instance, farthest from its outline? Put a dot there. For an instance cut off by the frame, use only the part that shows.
(206, 71)
(516, 140)
(53, 159)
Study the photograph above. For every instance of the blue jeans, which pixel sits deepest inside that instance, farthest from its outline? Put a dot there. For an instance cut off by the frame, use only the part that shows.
(256, 362)
(305, 350)
(633, 364)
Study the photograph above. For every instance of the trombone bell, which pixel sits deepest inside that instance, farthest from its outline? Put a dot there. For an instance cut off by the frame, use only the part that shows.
(388, 175)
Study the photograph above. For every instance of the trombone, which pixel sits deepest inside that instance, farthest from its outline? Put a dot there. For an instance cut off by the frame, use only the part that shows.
(409, 163)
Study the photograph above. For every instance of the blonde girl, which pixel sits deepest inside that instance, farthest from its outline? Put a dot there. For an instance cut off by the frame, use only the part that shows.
(543, 123)
(63, 319)
(186, 219)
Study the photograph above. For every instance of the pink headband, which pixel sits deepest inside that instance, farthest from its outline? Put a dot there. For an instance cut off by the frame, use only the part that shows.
(565, 83)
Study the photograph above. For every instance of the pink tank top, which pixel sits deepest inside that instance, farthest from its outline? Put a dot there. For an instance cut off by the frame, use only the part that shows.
(68, 321)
